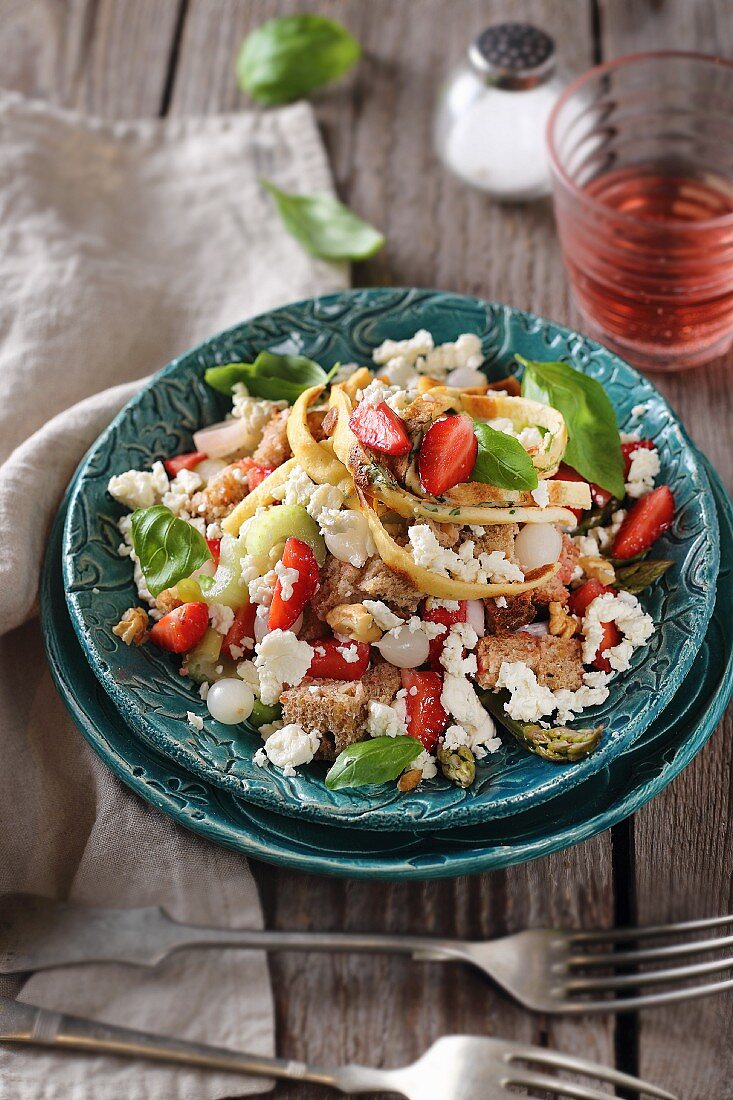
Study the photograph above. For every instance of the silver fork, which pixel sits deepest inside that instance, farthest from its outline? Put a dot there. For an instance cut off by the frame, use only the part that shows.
(545, 970)
(457, 1067)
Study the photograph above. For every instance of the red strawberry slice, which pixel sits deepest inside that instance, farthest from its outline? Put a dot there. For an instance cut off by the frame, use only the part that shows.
(649, 518)
(214, 546)
(426, 717)
(174, 465)
(448, 454)
(330, 659)
(299, 556)
(257, 474)
(628, 449)
(583, 596)
(611, 637)
(182, 628)
(447, 617)
(242, 628)
(380, 429)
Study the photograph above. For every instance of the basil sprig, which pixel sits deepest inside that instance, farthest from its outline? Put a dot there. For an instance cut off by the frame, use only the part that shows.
(641, 574)
(275, 377)
(594, 446)
(286, 58)
(324, 226)
(501, 460)
(168, 548)
(377, 760)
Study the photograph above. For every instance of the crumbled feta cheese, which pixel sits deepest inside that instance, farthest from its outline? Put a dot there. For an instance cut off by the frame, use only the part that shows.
(541, 495)
(347, 536)
(460, 636)
(126, 550)
(635, 625)
(324, 498)
(261, 588)
(194, 720)
(500, 601)
(465, 352)
(531, 438)
(349, 653)
(268, 728)
(375, 393)
(460, 700)
(288, 577)
(630, 437)
(139, 488)
(260, 759)
(246, 671)
(296, 489)
(593, 692)
(291, 746)
(426, 764)
(485, 569)
(529, 700)
(386, 721)
(204, 689)
(409, 350)
(645, 466)
(221, 617)
(479, 743)
(214, 531)
(400, 372)
(587, 545)
(383, 617)
(430, 630)
(433, 603)
(344, 373)
(280, 659)
(254, 412)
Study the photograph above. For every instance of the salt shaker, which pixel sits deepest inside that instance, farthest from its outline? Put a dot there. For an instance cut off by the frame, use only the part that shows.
(492, 115)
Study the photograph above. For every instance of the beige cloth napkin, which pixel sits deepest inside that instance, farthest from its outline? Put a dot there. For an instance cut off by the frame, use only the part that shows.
(121, 245)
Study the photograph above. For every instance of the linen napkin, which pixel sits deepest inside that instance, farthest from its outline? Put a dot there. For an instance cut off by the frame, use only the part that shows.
(121, 245)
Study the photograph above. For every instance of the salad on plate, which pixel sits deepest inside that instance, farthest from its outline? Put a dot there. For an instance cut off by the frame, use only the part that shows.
(390, 567)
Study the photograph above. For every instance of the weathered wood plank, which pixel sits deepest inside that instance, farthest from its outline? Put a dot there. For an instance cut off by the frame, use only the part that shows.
(683, 866)
(107, 57)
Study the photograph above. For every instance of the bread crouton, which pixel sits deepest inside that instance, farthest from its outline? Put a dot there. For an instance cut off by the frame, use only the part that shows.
(339, 708)
(379, 582)
(337, 584)
(556, 662)
(497, 536)
(224, 491)
(555, 591)
(511, 613)
(274, 448)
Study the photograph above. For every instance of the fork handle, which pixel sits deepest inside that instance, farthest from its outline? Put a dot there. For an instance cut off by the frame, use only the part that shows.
(30, 1025)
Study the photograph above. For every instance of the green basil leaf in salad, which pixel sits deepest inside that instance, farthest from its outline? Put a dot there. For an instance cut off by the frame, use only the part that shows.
(377, 760)
(168, 548)
(501, 460)
(272, 376)
(324, 226)
(288, 57)
(559, 745)
(594, 444)
(641, 574)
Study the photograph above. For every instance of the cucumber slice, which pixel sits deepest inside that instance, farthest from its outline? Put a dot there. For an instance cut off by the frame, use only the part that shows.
(280, 523)
(204, 659)
(228, 587)
(189, 590)
(262, 714)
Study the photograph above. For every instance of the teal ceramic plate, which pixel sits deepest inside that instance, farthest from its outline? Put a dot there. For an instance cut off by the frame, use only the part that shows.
(601, 801)
(145, 684)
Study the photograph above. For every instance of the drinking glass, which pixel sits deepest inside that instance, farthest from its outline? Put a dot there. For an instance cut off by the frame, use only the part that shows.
(641, 154)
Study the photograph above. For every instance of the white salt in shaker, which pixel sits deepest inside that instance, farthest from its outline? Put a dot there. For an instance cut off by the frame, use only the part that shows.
(491, 119)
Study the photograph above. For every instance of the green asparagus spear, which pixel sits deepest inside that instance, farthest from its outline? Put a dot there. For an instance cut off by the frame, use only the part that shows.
(458, 765)
(559, 745)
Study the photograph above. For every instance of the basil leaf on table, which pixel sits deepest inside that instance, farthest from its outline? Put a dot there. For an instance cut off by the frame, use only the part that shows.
(168, 548)
(324, 226)
(286, 58)
(377, 760)
(594, 446)
(642, 574)
(501, 460)
(272, 376)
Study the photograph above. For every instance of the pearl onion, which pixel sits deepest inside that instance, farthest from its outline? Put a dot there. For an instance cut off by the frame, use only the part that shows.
(537, 544)
(475, 616)
(261, 616)
(230, 701)
(404, 648)
(465, 378)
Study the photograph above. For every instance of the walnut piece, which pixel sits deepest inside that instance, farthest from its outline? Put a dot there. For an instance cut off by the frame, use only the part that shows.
(409, 780)
(353, 621)
(562, 624)
(168, 600)
(599, 569)
(133, 626)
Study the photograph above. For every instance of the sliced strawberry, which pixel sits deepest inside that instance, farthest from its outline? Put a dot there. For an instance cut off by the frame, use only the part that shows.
(214, 546)
(611, 637)
(241, 633)
(174, 465)
(299, 556)
(447, 617)
(380, 428)
(448, 454)
(331, 659)
(182, 628)
(426, 717)
(649, 518)
(627, 450)
(583, 596)
(257, 474)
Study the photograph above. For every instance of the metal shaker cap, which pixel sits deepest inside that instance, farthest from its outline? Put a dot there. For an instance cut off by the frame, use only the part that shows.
(514, 56)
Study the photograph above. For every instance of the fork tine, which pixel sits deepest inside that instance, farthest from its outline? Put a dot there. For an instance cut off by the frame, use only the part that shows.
(647, 1000)
(647, 977)
(623, 935)
(559, 1087)
(652, 954)
(559, 1060)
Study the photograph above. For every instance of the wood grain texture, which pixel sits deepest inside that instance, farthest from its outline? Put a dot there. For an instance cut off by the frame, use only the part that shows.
(682, 850)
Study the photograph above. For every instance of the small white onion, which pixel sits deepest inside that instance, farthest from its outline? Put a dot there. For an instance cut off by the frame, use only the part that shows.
(262, 614)
(230, 701)
(465, 378)
(475, 616)
(223, 438)
(209, 467)
(404, 648)
(537, 544)
(537, 629)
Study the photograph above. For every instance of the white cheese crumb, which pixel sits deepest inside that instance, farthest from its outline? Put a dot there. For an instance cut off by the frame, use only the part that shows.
(291, 746)
(139, 488)
(635, 625)
(347, 536)
(194, 720)
(460, 700)
(383, 617)
(645, 466)
(288, 577)
(221, 617)
(385, 721)
(204, 689)
(541, 495)
(281, 658)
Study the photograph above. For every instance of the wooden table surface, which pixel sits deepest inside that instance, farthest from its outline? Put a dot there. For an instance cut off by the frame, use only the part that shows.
(674, 860)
